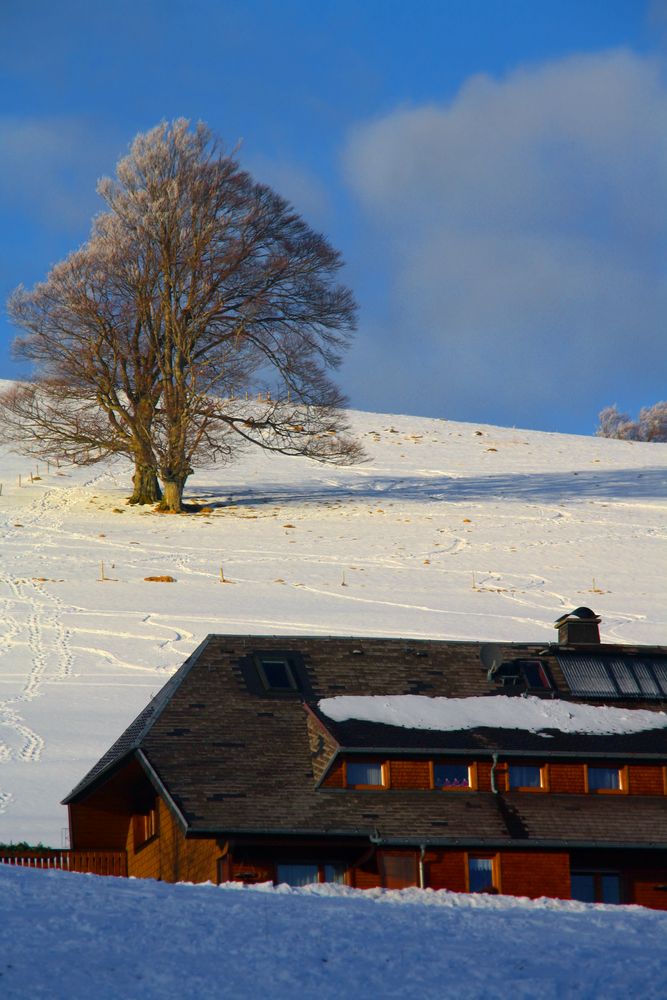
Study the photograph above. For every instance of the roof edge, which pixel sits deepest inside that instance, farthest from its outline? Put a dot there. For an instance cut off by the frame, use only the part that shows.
(416, 841)
(161, 789)
(98, 779)
(159, 703)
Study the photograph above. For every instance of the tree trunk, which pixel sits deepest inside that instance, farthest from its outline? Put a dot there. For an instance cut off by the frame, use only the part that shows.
(146, 486)
(172, 500)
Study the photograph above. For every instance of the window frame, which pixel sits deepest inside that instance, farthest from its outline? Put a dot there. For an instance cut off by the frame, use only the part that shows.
(597, 875)
(321, 871)
(544, 785)
(495, 871)
(623, 783)
(146, 827)
(384, 774)
(260, 659)
(542, 668)
(472, 776)
(408, 856)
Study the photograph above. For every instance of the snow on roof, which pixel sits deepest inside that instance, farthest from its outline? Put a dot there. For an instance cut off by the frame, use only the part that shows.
(413, 711)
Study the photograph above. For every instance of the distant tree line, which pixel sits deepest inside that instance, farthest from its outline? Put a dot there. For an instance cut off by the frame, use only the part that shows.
(650, 426)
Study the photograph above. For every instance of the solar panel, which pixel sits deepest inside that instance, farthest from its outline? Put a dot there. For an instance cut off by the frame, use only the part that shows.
(615, 677)
(647, 682)
(587, 675)
(659, 668)
(624, 676)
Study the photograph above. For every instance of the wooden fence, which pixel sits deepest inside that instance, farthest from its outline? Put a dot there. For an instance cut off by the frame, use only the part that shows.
(93, 862)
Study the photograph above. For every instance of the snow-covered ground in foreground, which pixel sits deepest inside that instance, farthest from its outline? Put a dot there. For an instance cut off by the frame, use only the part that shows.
(81, 936)
(450, 530)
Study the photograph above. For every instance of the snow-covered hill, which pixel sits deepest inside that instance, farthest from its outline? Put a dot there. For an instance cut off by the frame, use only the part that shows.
(449, 530)
(80, 936)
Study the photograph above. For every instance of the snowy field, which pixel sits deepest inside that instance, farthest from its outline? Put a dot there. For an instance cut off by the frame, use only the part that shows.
(69, 940)
(450, 530)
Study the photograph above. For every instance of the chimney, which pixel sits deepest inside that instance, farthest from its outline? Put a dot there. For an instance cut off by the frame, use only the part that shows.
(578, 628)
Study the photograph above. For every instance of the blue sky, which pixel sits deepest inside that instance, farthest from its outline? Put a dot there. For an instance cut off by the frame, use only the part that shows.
(494, 172)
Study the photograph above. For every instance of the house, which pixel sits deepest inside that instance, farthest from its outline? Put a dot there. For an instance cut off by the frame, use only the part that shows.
(524, 768)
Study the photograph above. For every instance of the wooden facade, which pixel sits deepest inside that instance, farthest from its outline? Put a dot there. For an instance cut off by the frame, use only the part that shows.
(224, 778)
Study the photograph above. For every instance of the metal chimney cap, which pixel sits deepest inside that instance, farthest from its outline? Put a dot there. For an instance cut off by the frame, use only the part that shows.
(579, 614)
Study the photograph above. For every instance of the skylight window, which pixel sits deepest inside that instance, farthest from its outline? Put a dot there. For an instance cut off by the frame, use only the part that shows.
(532, 675)
(276, 673)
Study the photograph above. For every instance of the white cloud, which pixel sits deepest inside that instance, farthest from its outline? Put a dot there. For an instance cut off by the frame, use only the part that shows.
(524, 225)
(49, 168)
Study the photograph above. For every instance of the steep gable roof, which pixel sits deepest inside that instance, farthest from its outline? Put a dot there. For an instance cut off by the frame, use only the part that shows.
(237, 758)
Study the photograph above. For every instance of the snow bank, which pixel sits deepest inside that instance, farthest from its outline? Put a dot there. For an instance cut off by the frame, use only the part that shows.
(412, 711)
(81, 936)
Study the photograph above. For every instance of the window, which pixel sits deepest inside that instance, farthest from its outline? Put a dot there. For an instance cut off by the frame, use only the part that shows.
(276, 673)
(145, 827)
(536, 675)
(397, 870)
(531, 674)
(482, 874)
(452, 776)
(334, 873)
(595, 887)
(297, 874)
(526, 777)
(364, 774)
(310, 874)
(605, 779)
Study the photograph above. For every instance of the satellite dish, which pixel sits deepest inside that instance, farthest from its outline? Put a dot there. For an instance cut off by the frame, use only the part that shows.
(491, 655)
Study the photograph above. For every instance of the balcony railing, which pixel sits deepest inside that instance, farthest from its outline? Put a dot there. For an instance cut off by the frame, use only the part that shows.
(93, 862)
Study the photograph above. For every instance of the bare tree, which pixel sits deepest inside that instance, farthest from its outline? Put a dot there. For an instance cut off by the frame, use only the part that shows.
(651, 425)
(203, 315)
(96, 386)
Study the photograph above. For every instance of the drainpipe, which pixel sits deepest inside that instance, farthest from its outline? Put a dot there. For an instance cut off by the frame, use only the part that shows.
(494, 787)
(422, 879)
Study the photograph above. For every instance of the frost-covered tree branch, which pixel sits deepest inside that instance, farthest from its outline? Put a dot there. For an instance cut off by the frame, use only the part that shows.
(650, 426)
(198, 290)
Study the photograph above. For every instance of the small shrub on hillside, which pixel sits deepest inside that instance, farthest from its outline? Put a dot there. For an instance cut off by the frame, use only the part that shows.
(650, 426)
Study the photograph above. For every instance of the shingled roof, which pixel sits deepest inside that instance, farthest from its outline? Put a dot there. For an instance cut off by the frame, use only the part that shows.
(235, 758)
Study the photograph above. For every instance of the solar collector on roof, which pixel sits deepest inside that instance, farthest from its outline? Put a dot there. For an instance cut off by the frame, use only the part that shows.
(595, 676)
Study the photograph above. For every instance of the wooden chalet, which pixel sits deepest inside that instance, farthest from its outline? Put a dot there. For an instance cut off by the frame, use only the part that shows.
(235, 772)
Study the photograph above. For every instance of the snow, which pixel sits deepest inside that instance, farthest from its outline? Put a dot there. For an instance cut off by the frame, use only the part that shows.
(415, 711)
(450, 530)
(78, 936)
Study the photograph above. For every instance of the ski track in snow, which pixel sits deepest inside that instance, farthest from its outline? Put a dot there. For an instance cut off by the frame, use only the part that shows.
(47, 638)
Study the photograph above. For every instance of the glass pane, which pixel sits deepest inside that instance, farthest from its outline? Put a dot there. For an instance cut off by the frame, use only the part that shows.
(451, 775)
(297, 874)
(364, 773)
(659, 668)
(535, 674)
(610, 886)
(334, 873)
(624, 675)
(480, 874)
(603, 778)
(586, 674)
(582, 887)
(278, 675)
(524, 776)
(646, 679)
